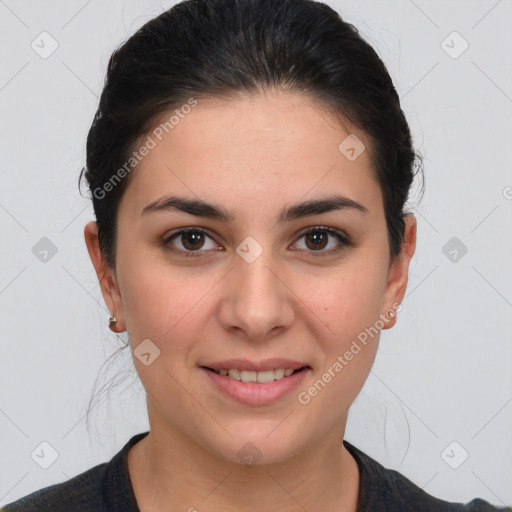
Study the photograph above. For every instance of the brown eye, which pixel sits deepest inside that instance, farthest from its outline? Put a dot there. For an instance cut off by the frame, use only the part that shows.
(318, 238)
(189, 241)
(192, 240)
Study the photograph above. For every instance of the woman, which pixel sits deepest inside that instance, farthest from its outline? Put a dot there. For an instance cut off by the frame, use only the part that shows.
(249, 164)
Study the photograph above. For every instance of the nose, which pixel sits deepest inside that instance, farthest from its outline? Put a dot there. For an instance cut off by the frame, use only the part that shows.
(258, 303)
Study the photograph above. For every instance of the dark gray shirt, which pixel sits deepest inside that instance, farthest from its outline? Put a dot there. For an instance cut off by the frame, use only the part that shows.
(107, 488)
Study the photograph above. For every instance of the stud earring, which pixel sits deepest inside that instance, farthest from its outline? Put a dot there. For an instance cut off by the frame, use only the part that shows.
(112, 322)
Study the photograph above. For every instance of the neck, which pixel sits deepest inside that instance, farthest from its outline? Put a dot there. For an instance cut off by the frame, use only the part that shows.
(169, 468)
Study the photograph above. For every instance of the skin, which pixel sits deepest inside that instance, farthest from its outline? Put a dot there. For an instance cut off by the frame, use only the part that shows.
(253, 156)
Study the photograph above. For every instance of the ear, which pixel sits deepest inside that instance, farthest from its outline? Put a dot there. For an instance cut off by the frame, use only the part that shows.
(398, 273)
(106, 275)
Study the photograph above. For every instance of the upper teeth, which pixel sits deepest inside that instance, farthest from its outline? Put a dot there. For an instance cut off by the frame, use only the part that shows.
(251, 376)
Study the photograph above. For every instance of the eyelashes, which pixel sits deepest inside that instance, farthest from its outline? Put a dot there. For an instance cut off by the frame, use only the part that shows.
(193, 241)
(185, 234)
(342, 239)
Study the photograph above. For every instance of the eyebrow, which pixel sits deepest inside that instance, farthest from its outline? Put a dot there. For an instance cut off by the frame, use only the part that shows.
(200, 208)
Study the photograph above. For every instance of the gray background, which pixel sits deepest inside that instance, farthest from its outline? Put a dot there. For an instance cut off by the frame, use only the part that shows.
(442, 374)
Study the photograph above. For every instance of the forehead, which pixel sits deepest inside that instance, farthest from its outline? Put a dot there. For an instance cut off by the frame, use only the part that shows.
(254, 150)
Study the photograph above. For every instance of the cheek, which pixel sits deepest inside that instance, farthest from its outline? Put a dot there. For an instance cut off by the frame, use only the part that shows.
(349, 300)
(158, 307)
(349, 304)
(169, 305)
(155, 295)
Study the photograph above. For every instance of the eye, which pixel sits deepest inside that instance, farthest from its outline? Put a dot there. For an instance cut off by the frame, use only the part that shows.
(191, 240)
(317, 239)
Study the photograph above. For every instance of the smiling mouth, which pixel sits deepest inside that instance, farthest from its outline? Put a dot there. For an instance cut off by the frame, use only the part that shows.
(262, 377)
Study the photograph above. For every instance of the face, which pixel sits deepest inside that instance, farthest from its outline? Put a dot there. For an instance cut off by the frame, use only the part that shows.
(267, 280)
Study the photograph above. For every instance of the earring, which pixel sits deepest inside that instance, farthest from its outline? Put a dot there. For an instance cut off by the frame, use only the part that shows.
(112, 322)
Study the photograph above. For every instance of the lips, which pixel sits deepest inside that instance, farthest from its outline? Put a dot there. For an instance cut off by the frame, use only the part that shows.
(255, 393)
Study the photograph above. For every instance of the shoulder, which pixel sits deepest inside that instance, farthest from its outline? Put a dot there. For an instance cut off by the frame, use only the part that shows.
(80, 493)
(103, 488)
(383, 489)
